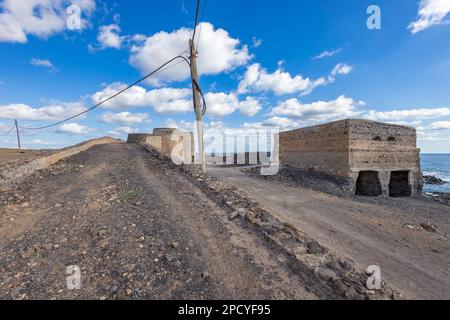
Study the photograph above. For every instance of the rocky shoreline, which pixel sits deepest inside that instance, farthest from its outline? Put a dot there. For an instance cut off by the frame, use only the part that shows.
(433, 180)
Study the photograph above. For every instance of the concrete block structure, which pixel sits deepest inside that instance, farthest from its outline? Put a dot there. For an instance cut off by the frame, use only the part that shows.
(166, 140)
(374, 158)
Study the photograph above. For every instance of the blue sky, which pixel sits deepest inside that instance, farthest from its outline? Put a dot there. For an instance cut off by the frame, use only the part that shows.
(285, 63)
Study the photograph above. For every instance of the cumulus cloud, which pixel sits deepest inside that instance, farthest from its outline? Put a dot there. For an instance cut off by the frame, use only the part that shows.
(408, 114)
(120, 131)
(281, 123)
(440, 125)
(42, 142)
(222, 104)
(108, 37)
(40, 18)
(126, 118)
(320, 111)
(51, 112)
(431, 13)
(258, 79)
(250, 107)
(43, 63)
(171, 100)
(222, 53)
(74, 128)
(165, 100)
(327, 54)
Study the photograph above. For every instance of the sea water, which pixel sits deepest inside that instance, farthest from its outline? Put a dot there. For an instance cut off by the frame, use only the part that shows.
(437, 165)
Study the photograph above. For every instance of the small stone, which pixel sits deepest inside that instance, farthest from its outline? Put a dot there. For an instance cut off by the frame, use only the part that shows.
(315, 248)
(351, 293)
(103, 243)
(206, 275)
(429, 227)
(326, 274)
(28, 253)
(25, 204)
(174, 244)
(58, 205)
(233, 215)
(129, 292)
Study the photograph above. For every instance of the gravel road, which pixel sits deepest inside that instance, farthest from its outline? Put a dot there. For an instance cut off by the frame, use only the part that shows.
(407, 238)
(136, 230)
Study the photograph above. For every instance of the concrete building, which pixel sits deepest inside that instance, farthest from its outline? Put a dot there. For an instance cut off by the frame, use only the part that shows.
(166, 140)
(374, 158)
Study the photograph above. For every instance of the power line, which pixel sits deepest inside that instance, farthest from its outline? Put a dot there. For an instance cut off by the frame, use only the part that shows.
(8, 132)
(196, 19)
(159, 69)
(201, 25)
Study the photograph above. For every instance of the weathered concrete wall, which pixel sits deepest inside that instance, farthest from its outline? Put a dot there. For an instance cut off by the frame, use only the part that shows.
(321, 148)
(384, 148)
(23, 171)
(348, 147)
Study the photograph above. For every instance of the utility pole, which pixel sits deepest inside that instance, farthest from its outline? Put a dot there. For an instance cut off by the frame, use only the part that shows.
(196, 96)
(17, 131)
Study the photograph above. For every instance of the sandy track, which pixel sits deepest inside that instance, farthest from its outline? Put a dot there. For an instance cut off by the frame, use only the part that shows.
(136, 230)
(379, 232)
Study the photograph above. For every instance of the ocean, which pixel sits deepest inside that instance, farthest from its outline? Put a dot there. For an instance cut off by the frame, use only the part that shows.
(437, 165)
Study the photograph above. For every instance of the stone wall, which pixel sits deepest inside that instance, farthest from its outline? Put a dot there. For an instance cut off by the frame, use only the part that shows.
(321, 148)
(166, 140)
(384, 148)
(348, 148)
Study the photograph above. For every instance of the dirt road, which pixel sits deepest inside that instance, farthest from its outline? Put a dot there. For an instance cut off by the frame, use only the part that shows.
(383, 232)
(136, 230)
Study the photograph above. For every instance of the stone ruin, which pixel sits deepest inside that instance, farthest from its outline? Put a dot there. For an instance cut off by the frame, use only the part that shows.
(374, 158)
(166, 140)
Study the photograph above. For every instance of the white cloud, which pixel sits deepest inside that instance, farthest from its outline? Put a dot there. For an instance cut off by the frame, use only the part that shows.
(341, 69)
(431, 12)
(326, 54)
(250, 106)
(109, 37)
(42, 142)
(124, 118)
(440, 125)
(222, 104)
(222, 53)
(320, 111)
(408, 114)
(165, 100)
(40, 18)
(120, 131)
(73, 128)
(256, 42)
(43, 63)
(51, 112)
(278, 122)
(258, 79)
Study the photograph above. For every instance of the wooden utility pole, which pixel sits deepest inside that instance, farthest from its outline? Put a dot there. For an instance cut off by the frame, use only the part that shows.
(197, 105)
(17, 131)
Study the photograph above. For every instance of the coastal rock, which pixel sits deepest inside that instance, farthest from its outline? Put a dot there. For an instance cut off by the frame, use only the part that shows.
(433, 180)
